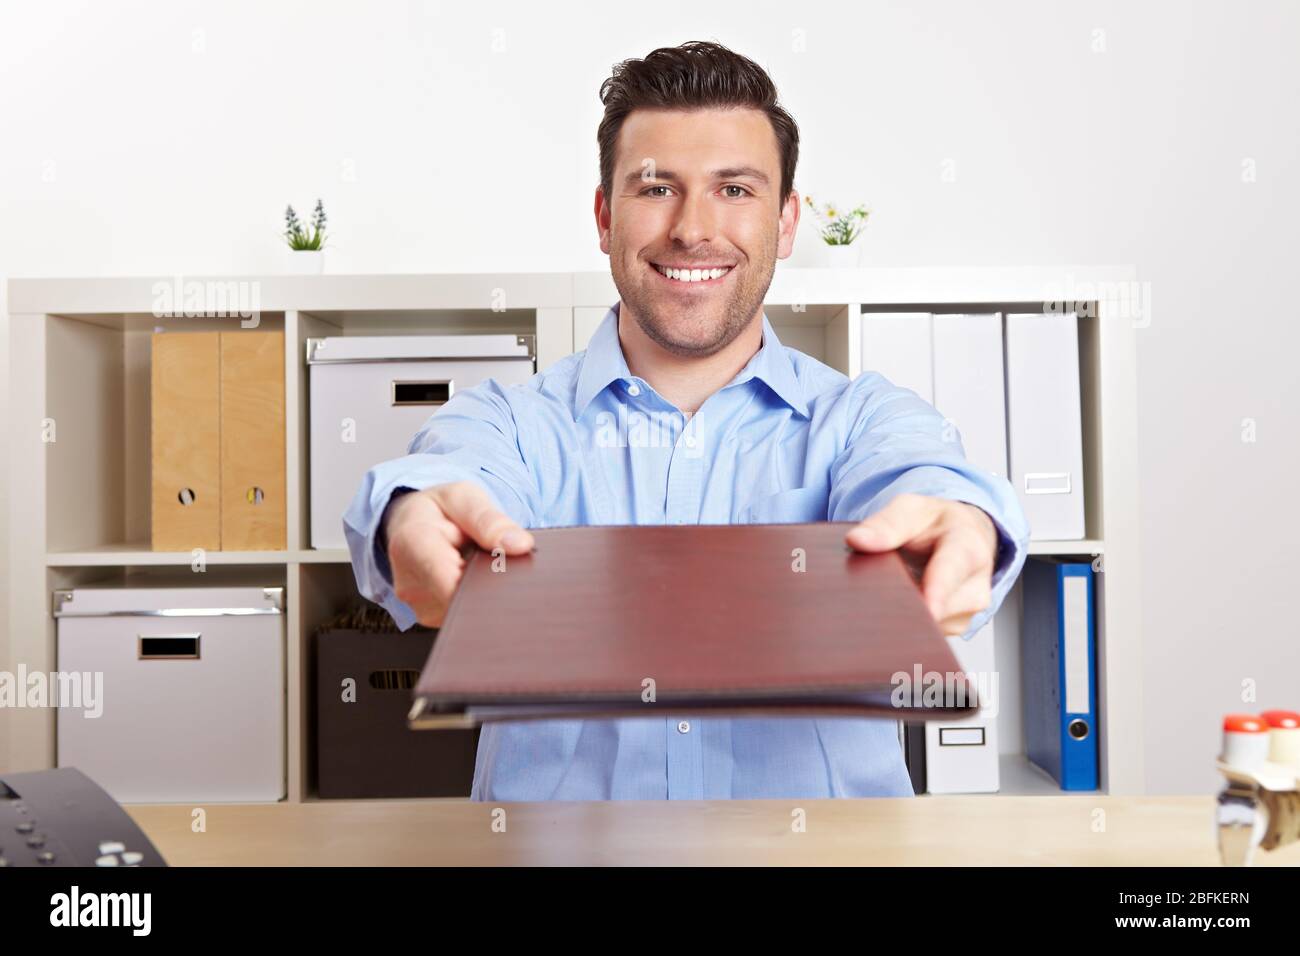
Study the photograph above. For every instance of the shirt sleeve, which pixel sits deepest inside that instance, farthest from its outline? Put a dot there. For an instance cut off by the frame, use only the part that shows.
(899, 443)
(473, 437)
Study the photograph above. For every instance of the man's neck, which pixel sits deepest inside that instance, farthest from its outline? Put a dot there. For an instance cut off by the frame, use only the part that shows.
(686, 381)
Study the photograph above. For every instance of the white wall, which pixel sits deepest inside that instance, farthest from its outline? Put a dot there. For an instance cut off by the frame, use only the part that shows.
(167, 137)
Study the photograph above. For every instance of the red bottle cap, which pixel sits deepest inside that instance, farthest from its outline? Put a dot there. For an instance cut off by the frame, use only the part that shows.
(1288, 719)
(1244, 724)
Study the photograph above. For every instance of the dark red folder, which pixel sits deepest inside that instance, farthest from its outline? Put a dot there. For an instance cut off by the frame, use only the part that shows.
(648, 620)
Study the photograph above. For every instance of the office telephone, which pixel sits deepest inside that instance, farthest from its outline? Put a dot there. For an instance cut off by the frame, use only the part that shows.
(63, 818)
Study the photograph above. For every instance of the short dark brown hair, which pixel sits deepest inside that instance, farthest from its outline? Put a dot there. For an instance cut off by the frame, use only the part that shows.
(698, 74)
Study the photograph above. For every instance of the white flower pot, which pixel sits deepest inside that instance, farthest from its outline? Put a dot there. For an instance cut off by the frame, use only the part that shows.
(304, 261)
(843, 256)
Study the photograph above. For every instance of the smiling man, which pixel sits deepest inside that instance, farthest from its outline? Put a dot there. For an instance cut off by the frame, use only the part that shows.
(695, 205)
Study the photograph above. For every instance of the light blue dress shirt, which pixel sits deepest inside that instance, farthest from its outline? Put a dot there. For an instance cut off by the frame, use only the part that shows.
(587, 443)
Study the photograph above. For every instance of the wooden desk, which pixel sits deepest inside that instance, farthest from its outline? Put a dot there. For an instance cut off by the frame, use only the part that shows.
(1057, 830)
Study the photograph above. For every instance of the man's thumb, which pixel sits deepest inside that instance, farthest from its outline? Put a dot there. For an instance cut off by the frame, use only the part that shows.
(893, 526)
(474, 511)
(517, 540)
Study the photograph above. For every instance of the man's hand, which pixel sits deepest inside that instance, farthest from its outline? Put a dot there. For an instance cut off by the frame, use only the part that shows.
(425, 531)
(958, 542)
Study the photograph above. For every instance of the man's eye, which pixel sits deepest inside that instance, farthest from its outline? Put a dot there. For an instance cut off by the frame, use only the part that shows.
(742, 191)
(652, 188)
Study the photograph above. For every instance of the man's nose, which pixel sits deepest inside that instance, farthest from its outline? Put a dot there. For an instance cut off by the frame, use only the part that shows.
(694, 222)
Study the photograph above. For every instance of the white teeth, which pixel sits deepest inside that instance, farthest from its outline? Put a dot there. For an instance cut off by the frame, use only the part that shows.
(692, 275)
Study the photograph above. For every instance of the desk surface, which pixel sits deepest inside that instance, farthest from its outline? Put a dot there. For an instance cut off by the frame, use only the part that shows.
(992, 830)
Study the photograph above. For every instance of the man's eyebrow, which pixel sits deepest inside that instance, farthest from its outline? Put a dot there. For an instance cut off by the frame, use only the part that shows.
(730, 172)
(741, 172)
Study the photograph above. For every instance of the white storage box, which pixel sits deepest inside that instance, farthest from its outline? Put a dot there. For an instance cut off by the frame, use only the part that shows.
(370, 395)
(192, 692)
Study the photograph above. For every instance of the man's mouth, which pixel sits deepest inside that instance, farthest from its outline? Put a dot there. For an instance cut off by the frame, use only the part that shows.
(705, 275)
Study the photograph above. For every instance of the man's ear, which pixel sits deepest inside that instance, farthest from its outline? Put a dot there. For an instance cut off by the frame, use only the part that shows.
(602, 220)
(789, 223)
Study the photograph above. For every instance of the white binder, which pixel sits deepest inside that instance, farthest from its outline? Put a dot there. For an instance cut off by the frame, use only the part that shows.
(897, 345)
(1045, 434)
(961, 756)
(969, 387)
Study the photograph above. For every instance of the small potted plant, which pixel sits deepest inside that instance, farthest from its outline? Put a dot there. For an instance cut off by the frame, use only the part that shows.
(307, 248)
(839, 227)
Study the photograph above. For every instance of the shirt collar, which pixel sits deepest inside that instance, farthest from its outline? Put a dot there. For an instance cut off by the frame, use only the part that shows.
(604, 363)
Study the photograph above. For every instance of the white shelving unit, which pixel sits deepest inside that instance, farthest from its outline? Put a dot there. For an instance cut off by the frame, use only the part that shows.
(79, 504)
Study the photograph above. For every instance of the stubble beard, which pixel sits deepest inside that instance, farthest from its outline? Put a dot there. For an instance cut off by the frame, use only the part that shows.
(685, 328)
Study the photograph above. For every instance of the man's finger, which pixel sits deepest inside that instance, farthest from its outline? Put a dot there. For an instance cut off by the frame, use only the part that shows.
(444, 572)
(901, 521)
(969, 596)
(955, 626)
(426, 570)
(472, 509)
(973, 596)
(446, 527)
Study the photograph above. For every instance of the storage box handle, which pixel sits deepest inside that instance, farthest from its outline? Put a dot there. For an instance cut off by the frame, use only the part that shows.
(168, 647)
(1047, 483)
(422, 392)
(394, 679)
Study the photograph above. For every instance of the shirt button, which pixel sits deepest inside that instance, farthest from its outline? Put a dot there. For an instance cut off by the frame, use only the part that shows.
(684, 727)
(634, 389)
